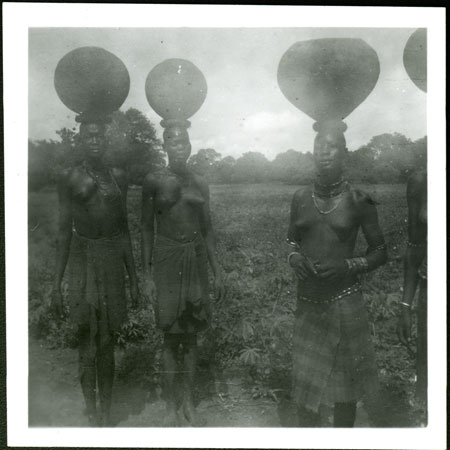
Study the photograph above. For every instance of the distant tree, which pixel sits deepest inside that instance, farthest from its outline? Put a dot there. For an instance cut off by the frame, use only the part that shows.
(42, 160)
(133, 145)
(204, 162)
(359, 166)
(292, 167)
(69, 153)
(252, 167)
(387, 158)
(225, 169)
(419, 159)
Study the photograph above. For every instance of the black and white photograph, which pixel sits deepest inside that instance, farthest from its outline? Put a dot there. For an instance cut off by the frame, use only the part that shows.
(226, 227)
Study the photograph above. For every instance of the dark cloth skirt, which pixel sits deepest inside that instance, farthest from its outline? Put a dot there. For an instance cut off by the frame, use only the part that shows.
(181, 280)
(333, 356)
(96, 284)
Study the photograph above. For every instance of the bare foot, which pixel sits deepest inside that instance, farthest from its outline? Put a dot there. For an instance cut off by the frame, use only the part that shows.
(93, 420)
(171, 417)
(92, 417)
(105, 420)
(191, 415)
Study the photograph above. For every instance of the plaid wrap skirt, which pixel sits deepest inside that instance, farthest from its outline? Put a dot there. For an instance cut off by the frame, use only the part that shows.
(96, 284)
(181, 280)
(333, 356)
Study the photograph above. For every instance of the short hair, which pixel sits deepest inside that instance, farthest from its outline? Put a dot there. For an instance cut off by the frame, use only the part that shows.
(338, 136)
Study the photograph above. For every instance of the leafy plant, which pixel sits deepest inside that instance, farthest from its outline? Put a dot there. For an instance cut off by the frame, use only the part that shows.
(252, 328)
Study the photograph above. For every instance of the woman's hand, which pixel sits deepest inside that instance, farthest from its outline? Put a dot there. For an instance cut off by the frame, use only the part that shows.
(332, 270)
(150, 291)
(56, 305)
(404, 326)
(302, 266)
(135, 294)
(219, 287)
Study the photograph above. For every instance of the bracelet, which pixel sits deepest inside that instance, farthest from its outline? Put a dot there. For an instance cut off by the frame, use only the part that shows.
(406, 305)
(357, 265)
(292, 243)
(376, 249)
(291, 254)
(349, 264)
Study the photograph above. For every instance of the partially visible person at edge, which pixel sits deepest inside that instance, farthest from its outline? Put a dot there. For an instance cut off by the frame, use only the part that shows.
(175, 256)
(333, 357)
(93, 228)
(415, 274)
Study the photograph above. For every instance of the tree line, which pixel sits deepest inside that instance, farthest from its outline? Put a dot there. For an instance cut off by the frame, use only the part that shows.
(134, 146)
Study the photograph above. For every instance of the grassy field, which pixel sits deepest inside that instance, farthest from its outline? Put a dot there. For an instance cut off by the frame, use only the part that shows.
(252, 328)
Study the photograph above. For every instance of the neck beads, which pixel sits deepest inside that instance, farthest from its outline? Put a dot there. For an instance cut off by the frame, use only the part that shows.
(330, 191)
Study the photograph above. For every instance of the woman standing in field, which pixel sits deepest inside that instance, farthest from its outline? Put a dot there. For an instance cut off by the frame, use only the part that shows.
(415, 263)
(333, 358)
(93, 228)
(415, 273)
(175, 263)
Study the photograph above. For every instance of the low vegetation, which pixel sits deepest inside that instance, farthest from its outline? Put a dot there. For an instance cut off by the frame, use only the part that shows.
(252, 327)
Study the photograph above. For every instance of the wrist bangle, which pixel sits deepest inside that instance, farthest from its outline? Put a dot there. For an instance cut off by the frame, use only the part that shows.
(357, 265)
(291, 254)
(405, 305)
(349, 264)
(292, 243)
(376, 249)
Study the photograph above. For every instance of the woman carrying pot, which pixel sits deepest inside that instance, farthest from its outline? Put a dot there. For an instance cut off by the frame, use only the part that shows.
(333, 358)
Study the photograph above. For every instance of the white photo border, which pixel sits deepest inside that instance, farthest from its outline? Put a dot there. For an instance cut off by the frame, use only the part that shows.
(17, 19)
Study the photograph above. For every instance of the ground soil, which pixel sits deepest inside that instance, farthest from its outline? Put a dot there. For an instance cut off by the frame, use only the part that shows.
(55, 400)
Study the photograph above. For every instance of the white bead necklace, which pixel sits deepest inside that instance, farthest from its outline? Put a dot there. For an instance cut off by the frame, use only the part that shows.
(330, 210)
(340, 196)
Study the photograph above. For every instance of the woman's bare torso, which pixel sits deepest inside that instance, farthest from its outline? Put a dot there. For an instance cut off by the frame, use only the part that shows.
(325, 237)
(178, 207)
(417, 187)
(97, 204)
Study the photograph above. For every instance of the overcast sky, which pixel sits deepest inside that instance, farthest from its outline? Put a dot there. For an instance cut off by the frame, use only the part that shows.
(245, 109)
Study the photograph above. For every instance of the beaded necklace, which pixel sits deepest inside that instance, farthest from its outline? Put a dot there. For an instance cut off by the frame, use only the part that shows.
(101, 183)
(331, 194)
(337, 183)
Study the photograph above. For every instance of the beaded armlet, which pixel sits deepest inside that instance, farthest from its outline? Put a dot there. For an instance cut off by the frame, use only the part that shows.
(376, 249)
(357, 265)
(295, 249)
(292, 244)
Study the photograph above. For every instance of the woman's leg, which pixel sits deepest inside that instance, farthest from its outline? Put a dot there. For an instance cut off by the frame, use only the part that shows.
(190, 365)
(170, 352)
(307, 418)
(344, 415)
(105, 375)
(87, 372)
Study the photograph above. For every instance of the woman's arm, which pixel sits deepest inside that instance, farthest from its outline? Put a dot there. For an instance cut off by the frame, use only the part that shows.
(300, 263)
(63, 239)
(417, 239)
(210, 240)
(128, 254)
(376, 254)
(414, 255)
(127, 246)
(148, 235)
